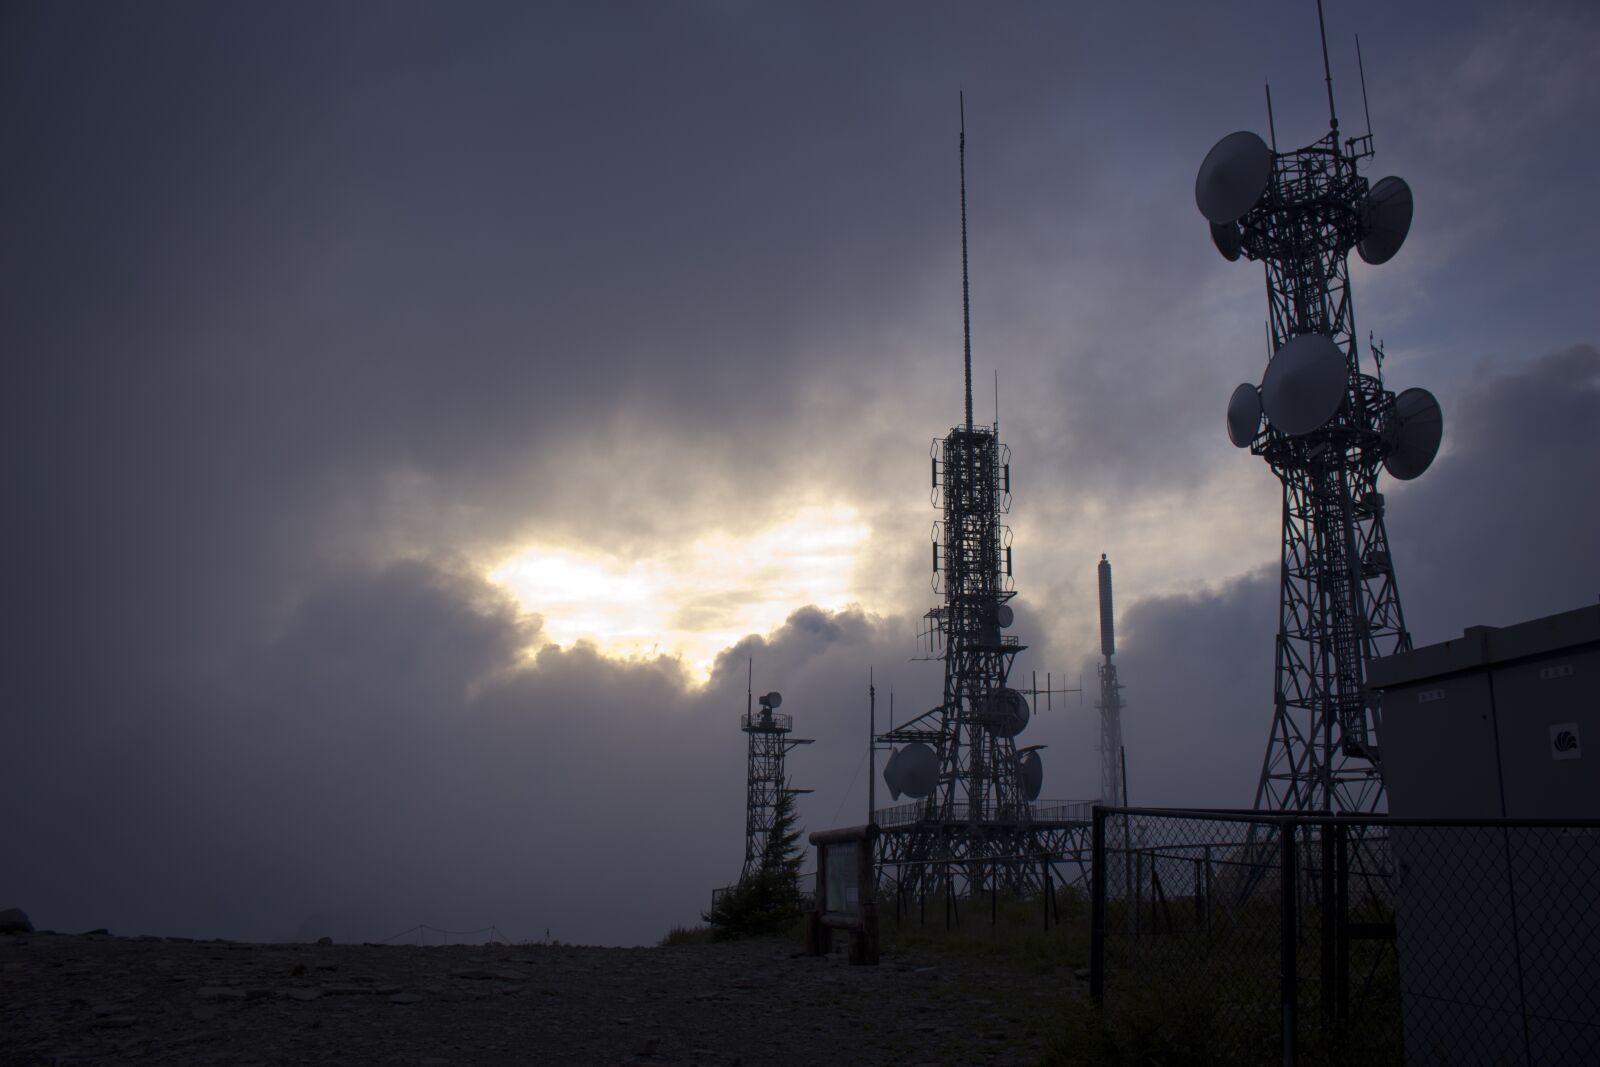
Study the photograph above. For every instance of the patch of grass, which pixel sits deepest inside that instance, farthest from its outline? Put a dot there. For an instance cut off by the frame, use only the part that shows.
(688, 935)
(1005, 926)
(1180, 993)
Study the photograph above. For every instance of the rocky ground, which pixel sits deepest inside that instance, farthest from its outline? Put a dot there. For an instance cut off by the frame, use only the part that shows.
(98, 999)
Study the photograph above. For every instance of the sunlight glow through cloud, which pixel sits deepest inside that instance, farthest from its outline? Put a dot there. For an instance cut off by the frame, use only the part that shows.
(696, 600)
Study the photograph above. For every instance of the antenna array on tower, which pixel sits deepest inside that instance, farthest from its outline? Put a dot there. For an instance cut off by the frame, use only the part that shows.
(973, 821)
(1325, 427)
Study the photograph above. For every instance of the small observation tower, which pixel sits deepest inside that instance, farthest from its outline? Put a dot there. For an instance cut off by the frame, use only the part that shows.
(767, 781)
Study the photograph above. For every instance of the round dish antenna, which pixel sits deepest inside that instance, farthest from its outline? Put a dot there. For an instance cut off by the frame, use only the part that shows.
(771, 700)
(1228, 239)
(1030, 773)
(914, 771)
(1003, 615)
(891, 774)
(1304, 385)
(1006, 713)
(1244, 415)
(1233, 177)
(1386, 218)
(1416, 426)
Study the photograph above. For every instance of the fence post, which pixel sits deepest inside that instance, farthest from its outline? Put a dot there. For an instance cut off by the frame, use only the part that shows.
(1330, 917)
(1138, 887)
(1288, 935)
(1097, 908)
(1341, 918)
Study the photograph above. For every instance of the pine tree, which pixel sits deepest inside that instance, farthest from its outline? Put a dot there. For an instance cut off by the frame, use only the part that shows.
(783, 854)
(765, 902)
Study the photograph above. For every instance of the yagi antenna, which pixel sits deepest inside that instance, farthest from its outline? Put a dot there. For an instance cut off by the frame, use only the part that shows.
(1272, 127)
(966, 300)
(1361, 68)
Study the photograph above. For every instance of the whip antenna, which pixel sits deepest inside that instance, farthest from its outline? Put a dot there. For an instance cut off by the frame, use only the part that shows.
(966, 299)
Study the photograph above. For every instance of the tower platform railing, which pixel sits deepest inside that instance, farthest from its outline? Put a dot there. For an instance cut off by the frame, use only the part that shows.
(1039, 811)
(766, 720)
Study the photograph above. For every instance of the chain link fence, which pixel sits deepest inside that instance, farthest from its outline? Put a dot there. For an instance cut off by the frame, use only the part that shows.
(1287, 938)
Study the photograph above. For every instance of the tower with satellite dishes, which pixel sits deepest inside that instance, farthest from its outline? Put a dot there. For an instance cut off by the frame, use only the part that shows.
(1113, 785)
(1329, 427)
(974, 819)
(766, 779)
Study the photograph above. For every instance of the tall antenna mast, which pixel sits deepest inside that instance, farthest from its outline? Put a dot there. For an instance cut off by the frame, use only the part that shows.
(966, 298)
(1113, 784)
(974, 822)
(1327, 71)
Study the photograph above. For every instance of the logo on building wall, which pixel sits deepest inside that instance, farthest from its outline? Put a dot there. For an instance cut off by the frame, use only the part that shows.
(1564, 743)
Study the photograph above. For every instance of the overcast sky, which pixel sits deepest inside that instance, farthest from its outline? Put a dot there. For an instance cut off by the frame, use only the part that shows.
(418, 412)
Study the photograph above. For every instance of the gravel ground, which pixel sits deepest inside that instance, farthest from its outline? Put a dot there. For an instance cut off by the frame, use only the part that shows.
(98, 999)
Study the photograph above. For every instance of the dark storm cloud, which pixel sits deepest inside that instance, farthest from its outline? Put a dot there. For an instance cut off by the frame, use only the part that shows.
(1198, 672)
(391, 757)
(1505, 526)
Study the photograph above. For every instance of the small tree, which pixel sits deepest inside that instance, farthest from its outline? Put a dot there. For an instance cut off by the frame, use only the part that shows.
(769, 898)
(783, 854)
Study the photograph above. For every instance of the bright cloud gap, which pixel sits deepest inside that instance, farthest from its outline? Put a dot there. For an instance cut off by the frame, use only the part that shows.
(695, 600)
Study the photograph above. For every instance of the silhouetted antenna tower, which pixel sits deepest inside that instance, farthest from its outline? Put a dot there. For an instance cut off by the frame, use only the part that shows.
(974, 819)
(766, 780)
(1329, 426)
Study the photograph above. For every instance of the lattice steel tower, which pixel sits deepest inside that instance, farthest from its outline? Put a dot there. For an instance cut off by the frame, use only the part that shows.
(766, 781)
(960, 759)
(1329, 426)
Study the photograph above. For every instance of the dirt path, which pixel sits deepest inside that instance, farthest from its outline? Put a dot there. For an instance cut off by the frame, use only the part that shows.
(69, 1000)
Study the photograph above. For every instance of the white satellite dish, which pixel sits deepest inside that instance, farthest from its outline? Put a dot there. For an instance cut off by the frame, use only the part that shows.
(1416, 428)
(917, 772)
(1244, 415)
(1030, 773)
(1233, 177)
(1228, 239)
(1386, 219)
(772, 700)
(1304, 385)
(1003, 615)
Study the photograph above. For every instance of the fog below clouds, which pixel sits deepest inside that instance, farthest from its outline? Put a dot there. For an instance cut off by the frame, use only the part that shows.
(315, 316)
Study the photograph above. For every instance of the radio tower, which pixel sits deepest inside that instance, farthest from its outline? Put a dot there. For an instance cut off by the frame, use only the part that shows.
(766, 780)
(960, 759)
(1113, 789)
(1329, 427)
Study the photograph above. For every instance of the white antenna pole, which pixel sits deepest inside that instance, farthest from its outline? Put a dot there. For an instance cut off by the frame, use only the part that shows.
(872, 748)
